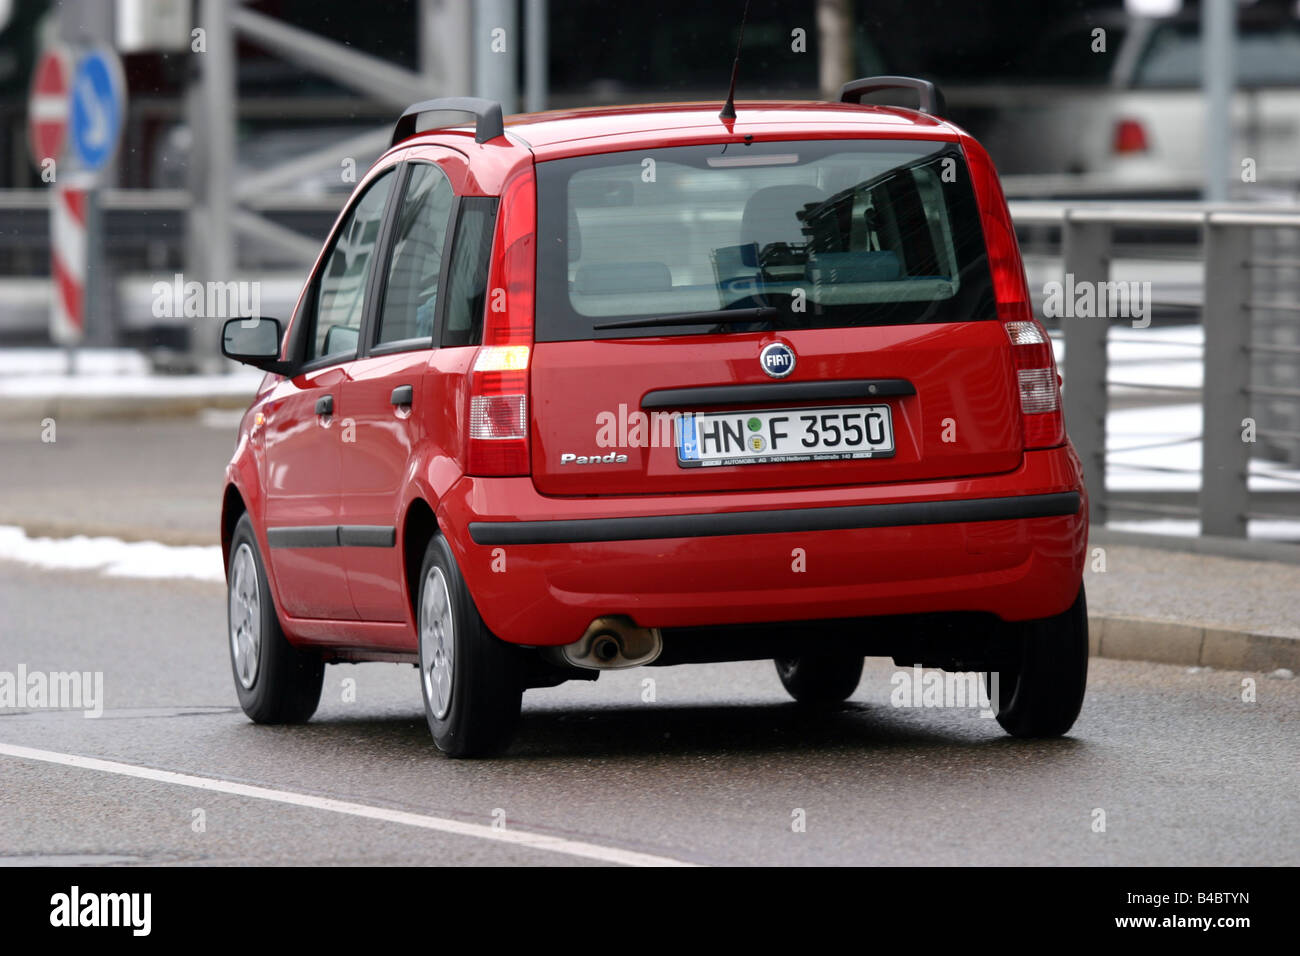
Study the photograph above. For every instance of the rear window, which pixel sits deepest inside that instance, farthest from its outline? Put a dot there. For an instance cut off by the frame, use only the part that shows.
(804, 234)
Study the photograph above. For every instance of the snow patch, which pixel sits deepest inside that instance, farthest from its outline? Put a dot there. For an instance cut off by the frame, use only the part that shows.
(112, 557)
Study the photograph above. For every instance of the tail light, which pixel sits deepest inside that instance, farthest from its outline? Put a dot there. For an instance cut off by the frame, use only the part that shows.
(1040, 389)
(497, 443)
(1130, 137)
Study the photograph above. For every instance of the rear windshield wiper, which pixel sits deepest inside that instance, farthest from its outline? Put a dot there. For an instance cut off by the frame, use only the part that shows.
(720, 316)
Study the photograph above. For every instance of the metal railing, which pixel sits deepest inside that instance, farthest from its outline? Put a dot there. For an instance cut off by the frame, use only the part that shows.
(1233, 273)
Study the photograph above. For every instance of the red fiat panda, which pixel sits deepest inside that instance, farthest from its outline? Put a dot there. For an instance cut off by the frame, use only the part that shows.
(648, 386)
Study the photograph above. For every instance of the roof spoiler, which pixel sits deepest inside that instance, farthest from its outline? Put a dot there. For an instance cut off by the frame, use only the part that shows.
(931, 99)
(450, 111)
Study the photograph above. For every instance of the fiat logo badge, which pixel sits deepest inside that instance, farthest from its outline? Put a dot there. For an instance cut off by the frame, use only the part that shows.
(777, 360)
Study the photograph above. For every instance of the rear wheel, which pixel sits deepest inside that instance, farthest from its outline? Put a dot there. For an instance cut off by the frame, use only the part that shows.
(1044, 673)
(471, 681)
(820, 679)
(277, 683)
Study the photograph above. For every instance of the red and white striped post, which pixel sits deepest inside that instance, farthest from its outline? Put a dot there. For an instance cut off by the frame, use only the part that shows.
(70, 202)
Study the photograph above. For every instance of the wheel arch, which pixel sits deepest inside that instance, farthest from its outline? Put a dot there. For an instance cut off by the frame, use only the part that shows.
(419, 525)
(233, 507)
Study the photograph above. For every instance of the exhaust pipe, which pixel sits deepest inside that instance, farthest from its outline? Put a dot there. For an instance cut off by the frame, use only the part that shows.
(610, 643)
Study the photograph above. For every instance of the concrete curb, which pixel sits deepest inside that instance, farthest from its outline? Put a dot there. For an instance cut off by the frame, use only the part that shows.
(105, 408)
(1245, 549)
(1168, 642)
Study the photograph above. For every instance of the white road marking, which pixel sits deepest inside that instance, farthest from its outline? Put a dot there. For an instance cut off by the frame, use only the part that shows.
(533, 841)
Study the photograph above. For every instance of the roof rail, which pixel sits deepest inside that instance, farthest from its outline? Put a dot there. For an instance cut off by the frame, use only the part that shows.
(931, 99)
(421, 117)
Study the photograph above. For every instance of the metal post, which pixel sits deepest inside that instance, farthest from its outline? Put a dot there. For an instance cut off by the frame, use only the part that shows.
(1218, 72)
(213, 129)
(1086, 257)
(445, 39)
(1225, 461)
(101, 322)
(835, 46)
(535, 58)
(426, 13)
(83, 25)
(495, 42)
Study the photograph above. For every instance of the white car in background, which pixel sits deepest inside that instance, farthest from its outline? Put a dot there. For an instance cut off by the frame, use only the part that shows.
(1151, 128)
(1139, 128)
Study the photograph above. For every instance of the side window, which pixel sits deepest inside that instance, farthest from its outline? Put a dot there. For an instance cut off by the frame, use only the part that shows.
(411, 293)
(467, 275)
(341, 284)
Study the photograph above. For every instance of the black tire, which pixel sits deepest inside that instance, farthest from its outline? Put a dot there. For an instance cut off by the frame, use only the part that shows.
(476, 713)
(820, 679)
(1044, 673)
(285, 680)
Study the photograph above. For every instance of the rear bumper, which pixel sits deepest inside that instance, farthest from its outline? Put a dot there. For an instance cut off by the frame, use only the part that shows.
(540, 569)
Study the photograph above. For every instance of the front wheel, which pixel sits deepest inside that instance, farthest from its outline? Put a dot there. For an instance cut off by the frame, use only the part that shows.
(1044, 673)
(277, 683)
(471, 680)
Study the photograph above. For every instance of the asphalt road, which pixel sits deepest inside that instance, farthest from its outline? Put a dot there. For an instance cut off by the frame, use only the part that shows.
(714, 771)
(154, 479)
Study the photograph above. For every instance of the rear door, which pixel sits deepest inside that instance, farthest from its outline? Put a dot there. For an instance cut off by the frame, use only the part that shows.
(303, 461)
(798, 314)
(386, 402)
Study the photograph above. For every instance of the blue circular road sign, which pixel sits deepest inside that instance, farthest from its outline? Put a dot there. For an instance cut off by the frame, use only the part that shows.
(98, 98)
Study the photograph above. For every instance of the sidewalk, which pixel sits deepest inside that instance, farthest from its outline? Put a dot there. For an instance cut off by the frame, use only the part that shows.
(1200, 610)
(109, 384)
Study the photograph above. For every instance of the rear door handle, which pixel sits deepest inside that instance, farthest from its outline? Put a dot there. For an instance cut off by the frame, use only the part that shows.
(402, 395)
(325, 405)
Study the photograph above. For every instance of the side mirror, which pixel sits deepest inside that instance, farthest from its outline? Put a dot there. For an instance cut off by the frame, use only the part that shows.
(254, 342)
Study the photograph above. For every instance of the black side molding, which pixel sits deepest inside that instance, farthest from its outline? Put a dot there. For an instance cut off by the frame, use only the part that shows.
(323, 536)
(367, 536)
(333, 536)
(777, 392)
(899, 514)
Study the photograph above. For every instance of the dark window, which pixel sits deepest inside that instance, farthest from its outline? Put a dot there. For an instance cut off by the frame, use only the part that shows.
(1266, 55)
(823, 234)
(340, 293)
(467, 276)
(411, 293)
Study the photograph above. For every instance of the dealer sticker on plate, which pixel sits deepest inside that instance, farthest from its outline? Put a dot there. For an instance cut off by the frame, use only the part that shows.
(774, 436)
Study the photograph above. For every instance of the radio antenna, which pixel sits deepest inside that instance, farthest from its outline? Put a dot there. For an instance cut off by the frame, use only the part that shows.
(729, 107)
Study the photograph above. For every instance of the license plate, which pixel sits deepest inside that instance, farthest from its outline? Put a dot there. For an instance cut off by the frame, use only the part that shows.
(774, 436)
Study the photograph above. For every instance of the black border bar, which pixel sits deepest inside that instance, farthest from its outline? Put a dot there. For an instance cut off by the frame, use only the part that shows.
(333, 536)
(898, 514)
(777, 392)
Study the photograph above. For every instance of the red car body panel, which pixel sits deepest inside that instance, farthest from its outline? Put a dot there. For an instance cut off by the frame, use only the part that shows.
(961, 371)
(359, 597)
(1018, 570)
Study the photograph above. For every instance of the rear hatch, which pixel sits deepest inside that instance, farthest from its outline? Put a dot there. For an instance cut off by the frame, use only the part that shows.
(777, 315)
